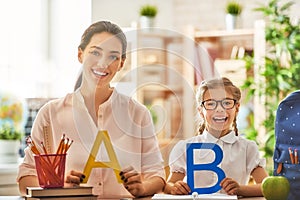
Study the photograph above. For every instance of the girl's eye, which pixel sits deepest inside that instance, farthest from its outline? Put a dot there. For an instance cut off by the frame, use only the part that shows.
(211, 103)
(226, 103)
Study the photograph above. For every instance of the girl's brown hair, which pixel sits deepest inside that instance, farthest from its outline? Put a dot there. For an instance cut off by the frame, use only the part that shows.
(222, 82)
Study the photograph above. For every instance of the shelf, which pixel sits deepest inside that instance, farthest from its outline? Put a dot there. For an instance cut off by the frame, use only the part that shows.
(223, 33)
(220, 43)
(166, 35)
(159, 88)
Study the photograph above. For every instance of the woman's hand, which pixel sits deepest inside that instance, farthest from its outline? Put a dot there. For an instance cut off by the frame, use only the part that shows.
(230, 186)
(180, 187)
(74, 178)
(132, 181)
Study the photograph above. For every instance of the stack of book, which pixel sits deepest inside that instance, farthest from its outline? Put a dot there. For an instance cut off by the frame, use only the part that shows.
(65, 193)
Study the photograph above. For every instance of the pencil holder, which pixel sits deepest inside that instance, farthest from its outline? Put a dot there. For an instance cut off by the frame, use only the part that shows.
(50, 170)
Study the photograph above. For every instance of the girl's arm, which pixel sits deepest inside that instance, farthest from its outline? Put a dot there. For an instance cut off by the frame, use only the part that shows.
(232, 187)
(258, 175)
(175, 185)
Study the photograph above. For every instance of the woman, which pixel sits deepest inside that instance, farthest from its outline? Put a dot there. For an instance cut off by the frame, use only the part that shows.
(96, 106)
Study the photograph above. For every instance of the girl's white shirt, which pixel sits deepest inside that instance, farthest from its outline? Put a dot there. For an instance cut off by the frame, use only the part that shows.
(130, 129)
(240, 158)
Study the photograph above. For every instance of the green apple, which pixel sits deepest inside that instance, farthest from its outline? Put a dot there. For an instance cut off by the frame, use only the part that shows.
(275, 188)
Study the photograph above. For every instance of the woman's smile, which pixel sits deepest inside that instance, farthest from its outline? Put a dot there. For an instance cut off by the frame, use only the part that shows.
(99, 73)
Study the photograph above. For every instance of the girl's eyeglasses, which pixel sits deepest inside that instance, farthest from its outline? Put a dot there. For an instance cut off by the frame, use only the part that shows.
(212, 104)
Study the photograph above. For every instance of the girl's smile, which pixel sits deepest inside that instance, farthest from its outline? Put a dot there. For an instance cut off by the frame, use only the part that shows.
(219, 110)
(218, 119)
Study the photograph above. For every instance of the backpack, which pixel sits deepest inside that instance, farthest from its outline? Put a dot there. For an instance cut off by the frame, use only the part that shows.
(287, 142)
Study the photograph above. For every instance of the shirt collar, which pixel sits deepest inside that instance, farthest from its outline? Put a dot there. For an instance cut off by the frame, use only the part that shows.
(81, 99)
(229, 138)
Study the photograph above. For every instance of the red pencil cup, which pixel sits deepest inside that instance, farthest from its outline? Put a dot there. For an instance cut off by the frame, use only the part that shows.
(50, 170)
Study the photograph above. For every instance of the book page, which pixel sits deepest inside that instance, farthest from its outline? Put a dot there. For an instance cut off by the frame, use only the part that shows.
(217, 196)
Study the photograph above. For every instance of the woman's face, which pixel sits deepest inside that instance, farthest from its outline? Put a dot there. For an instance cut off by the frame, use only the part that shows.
(219, 120)
(101, 59)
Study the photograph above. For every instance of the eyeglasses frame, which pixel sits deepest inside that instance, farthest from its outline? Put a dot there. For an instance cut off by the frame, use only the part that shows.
(219, 101)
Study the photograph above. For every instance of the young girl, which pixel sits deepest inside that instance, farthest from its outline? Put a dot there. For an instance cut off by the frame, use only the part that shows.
(218, 106)
(94, 106)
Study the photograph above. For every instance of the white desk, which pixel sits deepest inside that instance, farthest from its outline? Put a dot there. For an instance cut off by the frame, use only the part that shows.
(145, 198)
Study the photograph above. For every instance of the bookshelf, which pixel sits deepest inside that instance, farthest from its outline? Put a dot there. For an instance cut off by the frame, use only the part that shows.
(166, 84)
(160, 71)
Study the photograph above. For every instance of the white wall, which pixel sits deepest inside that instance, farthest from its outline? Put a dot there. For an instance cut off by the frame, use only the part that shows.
(39, 40)
(176, 14)
(124, 12)
(34, 66)
(68, 21)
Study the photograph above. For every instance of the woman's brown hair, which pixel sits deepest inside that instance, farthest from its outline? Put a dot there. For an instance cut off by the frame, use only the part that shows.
(99, 27)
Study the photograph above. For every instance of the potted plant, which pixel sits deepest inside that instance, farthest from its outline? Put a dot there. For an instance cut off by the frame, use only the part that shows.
(12, 117)
(8, 132)
(233, 10)
(147, 15)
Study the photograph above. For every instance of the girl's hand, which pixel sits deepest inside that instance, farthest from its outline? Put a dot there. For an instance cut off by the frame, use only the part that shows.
(74, 178)
(180, 187)
(132, 181)
(230, 186)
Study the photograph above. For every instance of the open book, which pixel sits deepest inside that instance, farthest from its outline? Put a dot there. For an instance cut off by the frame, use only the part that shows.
(217, 196)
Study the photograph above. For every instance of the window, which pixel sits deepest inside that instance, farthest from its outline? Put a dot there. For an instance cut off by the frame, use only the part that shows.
(39, 39)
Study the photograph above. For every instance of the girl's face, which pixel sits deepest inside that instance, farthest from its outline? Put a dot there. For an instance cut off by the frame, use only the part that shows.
(218, 120)
(101, 59)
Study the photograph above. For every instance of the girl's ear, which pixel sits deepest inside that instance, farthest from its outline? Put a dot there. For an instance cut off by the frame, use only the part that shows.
(237, 107)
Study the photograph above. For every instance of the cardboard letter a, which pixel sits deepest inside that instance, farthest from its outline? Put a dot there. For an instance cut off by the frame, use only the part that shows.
(91, 163)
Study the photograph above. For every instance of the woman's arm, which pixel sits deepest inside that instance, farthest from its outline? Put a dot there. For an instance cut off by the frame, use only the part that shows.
(153, 185)
(138, 186)
(27, 181)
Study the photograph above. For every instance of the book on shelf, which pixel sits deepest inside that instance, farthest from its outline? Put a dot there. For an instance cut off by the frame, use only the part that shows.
(55, 192)
(89, 197)
(214, 196)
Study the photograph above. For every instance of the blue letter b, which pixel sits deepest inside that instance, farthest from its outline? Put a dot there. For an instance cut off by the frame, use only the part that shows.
(191, 167)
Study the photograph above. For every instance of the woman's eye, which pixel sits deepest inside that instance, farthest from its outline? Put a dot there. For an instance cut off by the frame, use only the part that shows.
(95, 53)
(113, 57)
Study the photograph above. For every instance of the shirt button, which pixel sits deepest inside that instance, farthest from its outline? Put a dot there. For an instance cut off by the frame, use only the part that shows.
(100, 116)
(100, 184)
